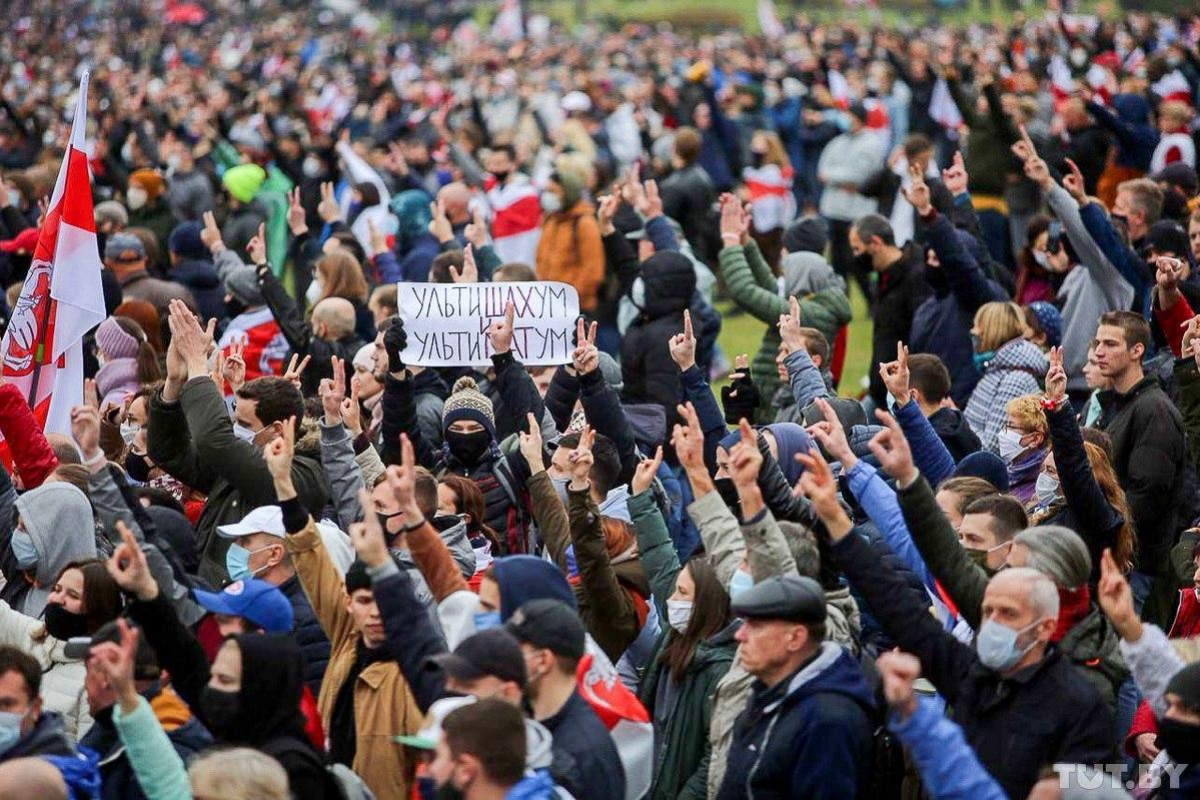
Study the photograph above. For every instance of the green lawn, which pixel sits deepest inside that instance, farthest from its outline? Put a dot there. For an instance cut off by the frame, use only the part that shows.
(743, 333)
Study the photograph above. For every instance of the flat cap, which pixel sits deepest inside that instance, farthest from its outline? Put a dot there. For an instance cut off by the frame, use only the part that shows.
(788, 597)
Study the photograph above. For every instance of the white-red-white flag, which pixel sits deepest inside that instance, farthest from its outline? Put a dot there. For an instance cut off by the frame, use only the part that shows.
(62, 298)
(942, 108)
(768, 20)
(509, 25)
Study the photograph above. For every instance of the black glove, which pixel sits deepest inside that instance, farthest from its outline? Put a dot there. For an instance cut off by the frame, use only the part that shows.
(395, 339)
(740, 398)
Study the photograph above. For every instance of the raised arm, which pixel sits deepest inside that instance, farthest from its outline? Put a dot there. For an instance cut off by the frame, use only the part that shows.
(930, 454)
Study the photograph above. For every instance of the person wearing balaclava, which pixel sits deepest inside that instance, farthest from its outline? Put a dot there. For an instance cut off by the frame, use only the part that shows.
(570, 249)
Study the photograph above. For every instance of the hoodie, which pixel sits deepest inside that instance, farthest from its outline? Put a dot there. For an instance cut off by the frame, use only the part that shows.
(201, 279)
(525, 578)
(807, 736)
(952, 428)
(58, 517)
(48, 738)
(1136, 137)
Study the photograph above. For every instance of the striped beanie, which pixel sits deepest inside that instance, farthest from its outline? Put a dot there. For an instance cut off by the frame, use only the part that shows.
(466, 402)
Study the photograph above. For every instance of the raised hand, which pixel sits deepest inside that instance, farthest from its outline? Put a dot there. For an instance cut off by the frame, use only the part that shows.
(477, 231)
(351, 410)
(367, 536)
(683, 345)
(688, 440)
(500, 332)
(297, 220)
(295, 369)
(257, 247)
(918, 193)
(893, 452)
(210, 234)
(789, 326)
(1074, 184)
(955, 178)
(1116, 599)
(1169, 272)
(899, 671)
(832, 436)
(606, 210)
(376, 238)
(647, 470)
(531, 446)
(440, 225)
(819, 486)
(1056, 376)
(585, 358)
(1037, 171)
(895, 375)
(333, 392)
(328, 209)
(402, 480)
(279, 454)
(470, 270)
(1191, 339)
(652, 204)
(233, 365)
(85, 430)
(191, 342)
(129, 569)
(116, 661)
(581, 459)
(731, 220)
(745, 459)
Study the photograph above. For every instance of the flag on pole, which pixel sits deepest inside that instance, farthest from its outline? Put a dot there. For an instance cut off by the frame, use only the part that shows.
(509, 25)
(768, 20)
(62, 298)
(942, 108)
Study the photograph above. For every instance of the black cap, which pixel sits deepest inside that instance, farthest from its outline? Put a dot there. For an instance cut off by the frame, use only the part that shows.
(145, 661)
(629, 223)
(1186, 684)
(1167, 236)
(858, 111)
(788, 597)
(806, 235)
(493, 651)
(1178, 174)
(357, 577)
(549, 624)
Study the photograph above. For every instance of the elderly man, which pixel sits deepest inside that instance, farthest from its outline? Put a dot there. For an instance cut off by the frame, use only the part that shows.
(1020, 702)
(125, 255)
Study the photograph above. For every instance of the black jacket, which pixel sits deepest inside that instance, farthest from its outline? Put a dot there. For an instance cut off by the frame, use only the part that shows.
(901, 289)
(306, 629)
(601, 406)
(952, 428)
(687, 196)
(300, 337)
(579, 734)
(1044, 714)
(1149, 449)
(1088, 148)
(201, 279)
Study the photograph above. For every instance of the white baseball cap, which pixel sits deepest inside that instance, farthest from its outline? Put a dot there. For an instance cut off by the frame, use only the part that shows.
(264, 519)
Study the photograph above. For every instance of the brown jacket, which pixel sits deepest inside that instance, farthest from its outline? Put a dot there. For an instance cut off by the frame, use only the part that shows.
(384, 706)
(572, 251)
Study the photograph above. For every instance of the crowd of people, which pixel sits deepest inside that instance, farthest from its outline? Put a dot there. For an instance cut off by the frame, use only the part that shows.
(274, 559)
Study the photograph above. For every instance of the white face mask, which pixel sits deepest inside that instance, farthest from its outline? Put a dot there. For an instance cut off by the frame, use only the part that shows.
(313, 293)
(551, 202)
(136, 197)
(129, 431)
(1042, 259)
(1046, 489)
(173, 161)
(312, 167)
(679, 614)
(1009, 443)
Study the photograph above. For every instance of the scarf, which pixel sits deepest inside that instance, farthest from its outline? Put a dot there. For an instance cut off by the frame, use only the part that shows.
(1073, 606)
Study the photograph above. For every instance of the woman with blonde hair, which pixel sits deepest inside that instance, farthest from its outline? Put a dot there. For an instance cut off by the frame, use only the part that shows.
(768, 180)
(1009, 367)
(339, 274)
(1023, 444)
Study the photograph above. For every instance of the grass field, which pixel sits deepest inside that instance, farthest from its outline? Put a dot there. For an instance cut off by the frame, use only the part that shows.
(743, 333)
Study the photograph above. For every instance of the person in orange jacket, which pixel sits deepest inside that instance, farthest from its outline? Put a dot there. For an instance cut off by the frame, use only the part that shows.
(570, 249)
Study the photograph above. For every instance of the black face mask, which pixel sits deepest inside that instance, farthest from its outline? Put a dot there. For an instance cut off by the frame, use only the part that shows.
(758, 159)
(863, 262)
(1180, 739)
(137, 467)
(501, 176)
(468, 448)
(729, 493)
(220, 710)
(235, 307)
(63, 624)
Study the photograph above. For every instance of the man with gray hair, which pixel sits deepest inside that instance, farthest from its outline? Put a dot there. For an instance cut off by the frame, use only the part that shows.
(1021, 704)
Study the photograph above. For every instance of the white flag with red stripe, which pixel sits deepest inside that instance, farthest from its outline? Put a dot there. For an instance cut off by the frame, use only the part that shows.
(62, 298)
(942, 108)
(768, 20)
(509, 26)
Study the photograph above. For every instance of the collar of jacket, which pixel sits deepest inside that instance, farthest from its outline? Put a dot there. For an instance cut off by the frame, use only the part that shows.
(1112, 396)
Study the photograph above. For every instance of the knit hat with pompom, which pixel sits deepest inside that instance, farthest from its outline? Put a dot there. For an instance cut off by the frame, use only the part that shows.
(466, 402)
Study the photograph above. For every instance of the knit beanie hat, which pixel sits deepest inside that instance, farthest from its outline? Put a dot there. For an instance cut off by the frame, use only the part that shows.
(243, 284)
(114, 341)
(244, 181)
(185, 240)
(1050, 318)
(466, 402)
(149, 180)
(1186, 684)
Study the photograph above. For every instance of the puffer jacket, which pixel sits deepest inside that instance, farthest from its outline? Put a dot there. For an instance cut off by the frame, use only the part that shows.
(62, 678)
(650, 374)
(1018, 368)
(306, 629)
(821, 292)
(571, 251)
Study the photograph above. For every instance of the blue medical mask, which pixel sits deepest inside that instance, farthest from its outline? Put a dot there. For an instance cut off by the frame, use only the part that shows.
(24, 550)
(740, 582)
(1046, 489)
(237, 562)
(486, 619)
(996, 645)
(10, 729)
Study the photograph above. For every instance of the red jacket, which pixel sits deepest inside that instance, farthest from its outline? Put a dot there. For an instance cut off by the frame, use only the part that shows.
(31, 455)
(1186, 626)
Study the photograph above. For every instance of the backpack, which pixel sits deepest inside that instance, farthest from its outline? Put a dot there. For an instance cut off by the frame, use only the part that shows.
(517, 537)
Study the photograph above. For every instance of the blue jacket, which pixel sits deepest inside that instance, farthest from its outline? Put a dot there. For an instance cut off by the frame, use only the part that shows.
(306, 628)
(201, 279)
(415, 264)
(929, 452)
(1136, 137)
(942, 324)
(698, 392)
(720, 150)
(948, 766)
(808, 736)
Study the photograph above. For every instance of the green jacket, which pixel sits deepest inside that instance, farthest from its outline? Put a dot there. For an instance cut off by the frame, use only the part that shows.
(755, 288)
(682, 750)
(1091, 645)
(273, 194)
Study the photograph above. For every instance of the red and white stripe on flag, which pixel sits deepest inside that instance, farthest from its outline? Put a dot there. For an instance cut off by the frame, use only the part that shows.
(509, 25)
(623, 714)
(62, 298)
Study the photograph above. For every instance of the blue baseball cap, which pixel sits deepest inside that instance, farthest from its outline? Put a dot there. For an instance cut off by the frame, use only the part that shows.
(259, 602)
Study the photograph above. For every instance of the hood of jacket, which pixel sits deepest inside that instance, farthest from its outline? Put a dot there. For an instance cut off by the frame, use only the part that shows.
(1093, 643)
(428, 381)
(572, 190)
(538, 786)
(808, 273)
(720, 647)
(58, 517)
(196, 274)
(670, 281)
(539, 745)
(412, 210)
(936, 276)
(525, 578)
(177, 531)
(1132, 108)
(833, 671)
(791, 440)
(453, 532)
(272, 682)
(48, 738)
(841, 600)
(1020, 354)
(949, 423)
